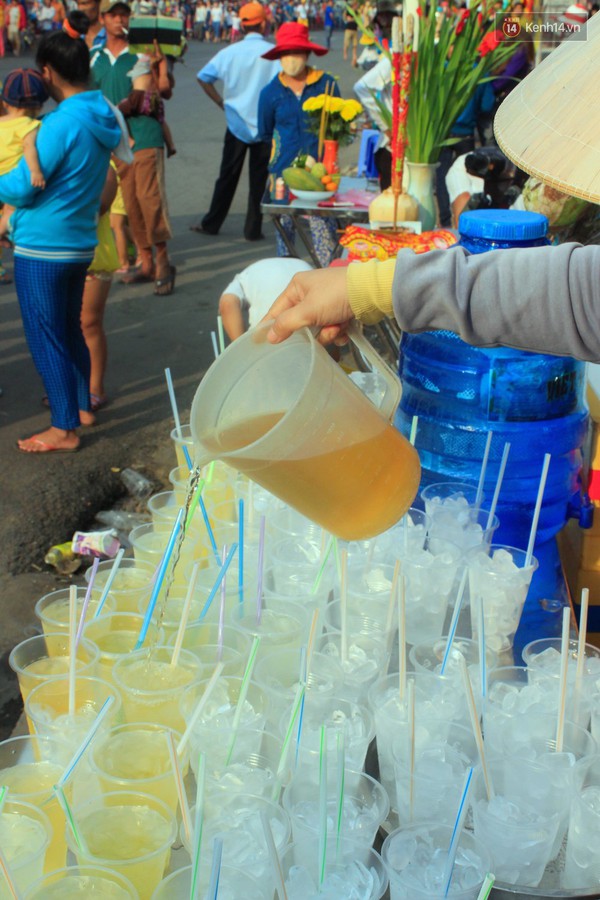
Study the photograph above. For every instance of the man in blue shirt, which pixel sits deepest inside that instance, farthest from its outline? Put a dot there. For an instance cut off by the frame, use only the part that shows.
(328, 24)
(244, 74)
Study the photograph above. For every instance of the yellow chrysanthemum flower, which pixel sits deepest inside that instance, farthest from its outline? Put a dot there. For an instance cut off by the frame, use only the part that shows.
(336, 104)
(350, 110)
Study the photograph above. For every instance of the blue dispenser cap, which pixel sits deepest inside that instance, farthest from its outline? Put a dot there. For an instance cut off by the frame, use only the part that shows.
(503, 225)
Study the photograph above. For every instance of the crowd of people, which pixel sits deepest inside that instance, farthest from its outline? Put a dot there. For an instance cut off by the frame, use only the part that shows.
(84, 189)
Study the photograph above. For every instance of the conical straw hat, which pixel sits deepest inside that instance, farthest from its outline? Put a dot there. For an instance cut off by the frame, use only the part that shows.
(549, 125)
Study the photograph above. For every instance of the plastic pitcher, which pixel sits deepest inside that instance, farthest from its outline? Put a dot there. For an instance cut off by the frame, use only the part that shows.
(289, 417)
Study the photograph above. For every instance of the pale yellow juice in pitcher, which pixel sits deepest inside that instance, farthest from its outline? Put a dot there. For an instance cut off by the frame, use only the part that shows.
(354, 491)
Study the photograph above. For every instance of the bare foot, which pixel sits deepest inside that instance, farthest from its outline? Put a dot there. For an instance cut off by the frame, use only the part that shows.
(87, 418)
(53, 439)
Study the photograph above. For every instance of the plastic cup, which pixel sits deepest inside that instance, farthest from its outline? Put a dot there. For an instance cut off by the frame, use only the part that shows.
(180, 440)
(513, 698)
(164, 508)
(451, 494)
(115, 636)
(543, 656)
(296, 586)
(238, 821)
(73, 882)
(132, 582)
(53, 609)
(431, 578)
(252, 770)
(202, 638)
(278, 674)
(358, 622)
(407, 536)
(149, 542)
(46, 656)
(25, 834)
(288, 522)
(367, 657)
(415, 864)
(233, 884)
(30, 766)
(277, 629)
(170, 615)
(438, 778)
(369, 588)
(207, 578)
(180, 479)
(352, 719)
(427, 659)
(129, 832)
(47, 708)
(135, 758)
(582, 864)
(519, 834)
(366, 806)
(150, 686)
(500, 579)
(212, 732)
(348, 867)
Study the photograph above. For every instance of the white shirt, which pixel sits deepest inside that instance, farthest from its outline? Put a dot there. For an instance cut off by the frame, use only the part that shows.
(378, 81)
(216, 13)
(14, 17)
(458, 180)
(259, 285)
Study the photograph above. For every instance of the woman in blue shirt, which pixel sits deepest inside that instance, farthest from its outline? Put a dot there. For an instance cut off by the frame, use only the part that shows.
(54, 231)
(283, 123)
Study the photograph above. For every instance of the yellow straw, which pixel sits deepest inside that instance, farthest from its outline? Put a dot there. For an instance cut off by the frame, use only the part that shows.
(311, 639)
(564, 668)
(464, 671)
(181, 795)
(187, 605)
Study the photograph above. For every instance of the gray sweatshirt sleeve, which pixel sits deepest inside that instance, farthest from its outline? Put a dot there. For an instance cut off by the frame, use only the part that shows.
(545, 299)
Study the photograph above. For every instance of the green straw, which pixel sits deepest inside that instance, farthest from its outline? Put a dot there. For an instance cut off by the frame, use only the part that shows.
(300, 690)
(64, 804)
(198, 826)
(341, 761)
(194, 503)
(322, 805)
(486, 887)
(242, 698)
(326, 556)
(3, 793)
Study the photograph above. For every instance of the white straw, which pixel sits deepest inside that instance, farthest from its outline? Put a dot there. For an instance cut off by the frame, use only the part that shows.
(536, 513)
(181, 795)
(200, 707)
(322, 805)
(198, 827)
(564, 666)
(344, 608)
(86, 601)
(72, 646)
(402, 640)
(392, 604)
(482, 650)
(475, 724)
(583, 617)
(410, 702)
(486, 454)
(274, 857)
(174, 409)
(499, 480)
(413, 430)
(111, 577)
(187, 605)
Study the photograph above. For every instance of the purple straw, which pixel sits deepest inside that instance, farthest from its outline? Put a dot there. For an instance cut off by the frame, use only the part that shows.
(222, 611)
(261, 558)
(86, 601)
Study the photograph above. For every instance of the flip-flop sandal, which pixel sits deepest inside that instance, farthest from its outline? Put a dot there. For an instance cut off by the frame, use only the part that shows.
(169, 283)
(97, 401)
(45, 448)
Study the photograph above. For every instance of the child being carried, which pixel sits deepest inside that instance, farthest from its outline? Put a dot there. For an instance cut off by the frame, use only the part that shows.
(145, 100)
(23, 95)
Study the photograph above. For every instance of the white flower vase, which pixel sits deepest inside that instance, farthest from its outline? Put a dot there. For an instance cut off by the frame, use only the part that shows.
(421, 187)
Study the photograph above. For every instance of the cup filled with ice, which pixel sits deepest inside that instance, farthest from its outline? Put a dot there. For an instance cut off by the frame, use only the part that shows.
(346, 873)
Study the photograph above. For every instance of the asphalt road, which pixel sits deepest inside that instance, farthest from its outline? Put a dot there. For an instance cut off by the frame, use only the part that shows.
(44, 499)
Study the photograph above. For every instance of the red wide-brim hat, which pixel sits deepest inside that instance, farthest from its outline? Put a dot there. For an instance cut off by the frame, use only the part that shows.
(293, 38)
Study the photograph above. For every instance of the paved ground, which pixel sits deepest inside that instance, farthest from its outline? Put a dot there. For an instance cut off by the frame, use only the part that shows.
(44, 499)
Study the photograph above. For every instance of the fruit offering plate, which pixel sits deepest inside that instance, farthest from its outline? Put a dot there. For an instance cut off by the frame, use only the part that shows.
(312, 196)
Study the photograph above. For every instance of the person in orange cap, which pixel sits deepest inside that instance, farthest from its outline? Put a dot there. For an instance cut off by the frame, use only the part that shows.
(244, 74)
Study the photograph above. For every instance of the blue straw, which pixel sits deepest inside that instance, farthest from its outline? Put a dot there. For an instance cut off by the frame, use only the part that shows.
(241, 555)
(188, 458)
(211, 535)
(162, 571)
(457, 831)
(215, 873)
(218, 581)
(454, 621)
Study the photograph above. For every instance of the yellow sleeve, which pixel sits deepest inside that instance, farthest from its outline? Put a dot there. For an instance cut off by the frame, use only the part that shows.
(370, 289)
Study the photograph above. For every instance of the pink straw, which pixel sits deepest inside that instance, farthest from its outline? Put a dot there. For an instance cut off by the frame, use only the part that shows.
(86, 601)
(260, 567)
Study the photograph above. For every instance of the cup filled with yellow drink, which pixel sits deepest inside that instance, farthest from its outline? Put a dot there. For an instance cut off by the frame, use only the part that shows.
(25, 835)
(53, 609)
